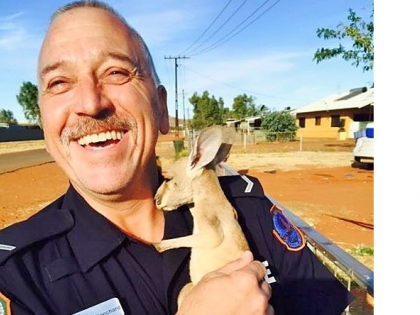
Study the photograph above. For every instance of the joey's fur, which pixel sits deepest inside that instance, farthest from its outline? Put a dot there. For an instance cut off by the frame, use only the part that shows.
(217, 237)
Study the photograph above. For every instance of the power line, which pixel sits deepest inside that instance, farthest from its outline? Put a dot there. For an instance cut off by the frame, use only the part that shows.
(244, 90)
(222, 41)
(208, 27)
(220, 27)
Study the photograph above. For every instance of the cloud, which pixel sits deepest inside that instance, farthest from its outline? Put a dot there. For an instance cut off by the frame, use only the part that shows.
(12, 34)
(11, 17)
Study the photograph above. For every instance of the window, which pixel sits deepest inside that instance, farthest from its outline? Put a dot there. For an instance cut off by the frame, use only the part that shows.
(302, 122)
(317, 121)
(336, 121)
(363, 117)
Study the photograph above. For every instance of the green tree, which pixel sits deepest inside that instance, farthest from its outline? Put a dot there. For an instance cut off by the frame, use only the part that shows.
(360, 32)
(279, 126)
(243, 106)
(28, 99)
(6, 116)
(207, 110)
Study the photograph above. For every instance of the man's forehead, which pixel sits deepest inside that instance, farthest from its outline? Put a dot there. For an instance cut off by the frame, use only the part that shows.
(95, 19)
(87, 26)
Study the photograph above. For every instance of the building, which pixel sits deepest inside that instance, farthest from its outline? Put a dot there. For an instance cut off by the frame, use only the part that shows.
(336, 116)
(247, 124)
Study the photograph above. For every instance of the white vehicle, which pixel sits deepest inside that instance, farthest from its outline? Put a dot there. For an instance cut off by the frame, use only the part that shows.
(363, 152)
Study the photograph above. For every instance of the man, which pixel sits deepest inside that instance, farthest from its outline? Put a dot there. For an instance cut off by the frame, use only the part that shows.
(90, 252)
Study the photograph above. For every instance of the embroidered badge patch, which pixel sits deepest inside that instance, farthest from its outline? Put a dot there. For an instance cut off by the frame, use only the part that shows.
(288, 234)
(4, 305)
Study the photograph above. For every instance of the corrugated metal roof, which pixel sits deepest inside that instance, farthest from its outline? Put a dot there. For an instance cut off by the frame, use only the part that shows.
(352, 99)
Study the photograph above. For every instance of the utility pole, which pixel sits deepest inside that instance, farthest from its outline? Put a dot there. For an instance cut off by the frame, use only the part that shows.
(183, 107)
(176, 92)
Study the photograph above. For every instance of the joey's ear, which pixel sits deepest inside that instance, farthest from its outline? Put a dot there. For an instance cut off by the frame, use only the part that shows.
(229, 135)
(222, 153)
(206, 147)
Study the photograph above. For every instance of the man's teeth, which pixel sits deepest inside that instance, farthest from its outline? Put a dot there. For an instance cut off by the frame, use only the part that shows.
(100, 137)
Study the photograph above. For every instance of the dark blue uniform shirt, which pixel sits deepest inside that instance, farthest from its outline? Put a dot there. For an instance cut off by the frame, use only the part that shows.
(68, 258)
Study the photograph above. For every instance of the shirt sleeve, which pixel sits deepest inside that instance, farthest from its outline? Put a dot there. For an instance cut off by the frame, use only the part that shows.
(300, 283)
(8, 304)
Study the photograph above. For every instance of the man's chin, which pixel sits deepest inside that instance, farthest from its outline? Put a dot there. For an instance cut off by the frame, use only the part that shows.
(102, 186)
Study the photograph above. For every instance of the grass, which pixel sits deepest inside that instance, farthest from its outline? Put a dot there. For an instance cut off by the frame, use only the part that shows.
(361, 251)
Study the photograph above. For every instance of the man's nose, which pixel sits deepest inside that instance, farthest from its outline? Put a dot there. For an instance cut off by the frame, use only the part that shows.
(91, 101)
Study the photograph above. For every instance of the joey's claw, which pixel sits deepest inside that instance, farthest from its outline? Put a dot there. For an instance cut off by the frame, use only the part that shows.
(160, 247)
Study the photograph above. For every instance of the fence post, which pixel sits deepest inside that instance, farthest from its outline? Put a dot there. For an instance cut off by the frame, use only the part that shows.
(300, 143)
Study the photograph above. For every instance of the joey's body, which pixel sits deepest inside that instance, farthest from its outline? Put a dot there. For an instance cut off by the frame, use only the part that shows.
(217, 237)
(223, 240)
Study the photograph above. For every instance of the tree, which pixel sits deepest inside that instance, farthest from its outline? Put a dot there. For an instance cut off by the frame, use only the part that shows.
(207, 111)
(243, 106)
(279, 125)
(6, 116)
(360, 32)
(28, 99)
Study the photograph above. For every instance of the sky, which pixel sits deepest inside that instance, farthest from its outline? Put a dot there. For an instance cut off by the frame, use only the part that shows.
(263, 48)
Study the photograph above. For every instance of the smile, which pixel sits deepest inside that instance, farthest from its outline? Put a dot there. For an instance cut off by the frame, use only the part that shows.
(100, 138)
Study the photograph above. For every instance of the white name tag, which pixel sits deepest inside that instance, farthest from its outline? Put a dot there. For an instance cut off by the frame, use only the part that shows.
(110, 307)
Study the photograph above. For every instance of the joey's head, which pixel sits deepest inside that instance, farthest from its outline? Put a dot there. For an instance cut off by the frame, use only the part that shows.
(210, 148)
(176, 190)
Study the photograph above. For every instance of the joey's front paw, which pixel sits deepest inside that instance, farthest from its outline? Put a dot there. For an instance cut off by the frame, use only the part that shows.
(161, 246)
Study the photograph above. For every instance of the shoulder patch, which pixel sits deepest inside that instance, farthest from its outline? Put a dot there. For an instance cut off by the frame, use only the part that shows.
(241, 186)
(41, 226)
(4, 305)
(285, 232)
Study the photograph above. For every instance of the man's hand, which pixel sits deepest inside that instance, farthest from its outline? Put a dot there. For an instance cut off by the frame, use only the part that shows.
(237, 288)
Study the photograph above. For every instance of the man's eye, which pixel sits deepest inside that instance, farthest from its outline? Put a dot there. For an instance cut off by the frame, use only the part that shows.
(117, 77)
(58, 86)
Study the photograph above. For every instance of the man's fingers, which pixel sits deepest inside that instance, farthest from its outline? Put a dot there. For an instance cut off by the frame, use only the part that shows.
(246, 262)
(258, 268)
(266, 288)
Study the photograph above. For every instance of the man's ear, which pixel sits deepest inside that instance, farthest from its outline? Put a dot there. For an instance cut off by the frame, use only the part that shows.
(162, 109)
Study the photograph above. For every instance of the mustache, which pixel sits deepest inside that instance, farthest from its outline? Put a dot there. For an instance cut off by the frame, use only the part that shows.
(88, 125)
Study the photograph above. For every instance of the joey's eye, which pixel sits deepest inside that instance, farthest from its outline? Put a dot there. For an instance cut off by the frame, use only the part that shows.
(117, 76)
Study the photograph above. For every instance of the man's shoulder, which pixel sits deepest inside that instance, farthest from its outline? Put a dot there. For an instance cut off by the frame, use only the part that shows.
(237, 186)
(44, 225)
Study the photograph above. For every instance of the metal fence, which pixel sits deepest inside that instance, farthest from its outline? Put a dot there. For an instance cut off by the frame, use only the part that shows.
(352, 273)
(253, 137)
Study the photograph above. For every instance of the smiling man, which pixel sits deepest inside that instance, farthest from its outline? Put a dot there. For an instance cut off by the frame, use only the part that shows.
(90, 251)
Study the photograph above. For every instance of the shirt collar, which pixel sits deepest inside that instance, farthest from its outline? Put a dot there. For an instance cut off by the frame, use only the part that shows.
(93, 236)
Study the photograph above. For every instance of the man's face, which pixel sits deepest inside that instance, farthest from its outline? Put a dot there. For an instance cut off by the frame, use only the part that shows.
(100, 109)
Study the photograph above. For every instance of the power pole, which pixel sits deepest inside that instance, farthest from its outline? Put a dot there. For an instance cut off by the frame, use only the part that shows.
(176, 92)
(183, 107)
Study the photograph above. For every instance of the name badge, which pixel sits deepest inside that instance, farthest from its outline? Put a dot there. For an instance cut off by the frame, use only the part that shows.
(109, 307)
